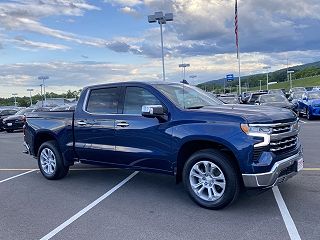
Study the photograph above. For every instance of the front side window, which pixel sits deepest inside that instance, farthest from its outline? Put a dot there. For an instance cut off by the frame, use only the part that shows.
(186, 96)
(135, 98)
(103, 101)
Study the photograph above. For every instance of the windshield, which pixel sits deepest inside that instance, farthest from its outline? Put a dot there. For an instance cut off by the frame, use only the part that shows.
(314, 95)
(273, 98)
(278, 91)
(186, 96)
(24, 111)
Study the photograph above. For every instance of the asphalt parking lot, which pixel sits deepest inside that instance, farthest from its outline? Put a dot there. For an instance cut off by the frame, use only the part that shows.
(98, 203)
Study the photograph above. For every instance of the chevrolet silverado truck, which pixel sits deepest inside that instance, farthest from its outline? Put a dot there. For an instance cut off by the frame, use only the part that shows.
(217, 150)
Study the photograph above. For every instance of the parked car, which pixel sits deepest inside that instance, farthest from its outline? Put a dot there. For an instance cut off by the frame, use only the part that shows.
(254, 97)
(172, 128)
(316, 88)
(16, 121)
(5, 113)
(274, 100)
(229, 99)
(294, 98)
(309, 105)
(276, 91)
(297, 89)
(64, 108)
(309, 89)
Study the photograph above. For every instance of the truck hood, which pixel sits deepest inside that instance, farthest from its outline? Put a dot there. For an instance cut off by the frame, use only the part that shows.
(252, 113)
(13, 117)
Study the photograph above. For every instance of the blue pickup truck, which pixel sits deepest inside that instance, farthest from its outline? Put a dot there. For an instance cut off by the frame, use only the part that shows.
(215, 149)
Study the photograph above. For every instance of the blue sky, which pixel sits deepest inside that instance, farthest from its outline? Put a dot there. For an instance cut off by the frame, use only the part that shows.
(82, 42)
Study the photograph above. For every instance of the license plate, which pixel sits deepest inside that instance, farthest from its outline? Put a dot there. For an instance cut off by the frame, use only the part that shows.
(300, 165)
(9, 124)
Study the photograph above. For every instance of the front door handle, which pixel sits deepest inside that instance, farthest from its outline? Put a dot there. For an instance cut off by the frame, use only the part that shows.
(81, 123)
(122, 124)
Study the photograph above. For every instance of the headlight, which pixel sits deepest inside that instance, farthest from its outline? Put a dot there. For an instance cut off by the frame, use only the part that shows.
(258, 131)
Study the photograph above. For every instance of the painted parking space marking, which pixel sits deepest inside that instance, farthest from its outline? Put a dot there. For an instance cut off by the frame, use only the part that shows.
(87, 208)
(19, 175)
(288, 221)
(71, 169)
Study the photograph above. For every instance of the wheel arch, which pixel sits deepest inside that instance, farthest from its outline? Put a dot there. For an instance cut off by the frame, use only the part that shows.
(192, 146)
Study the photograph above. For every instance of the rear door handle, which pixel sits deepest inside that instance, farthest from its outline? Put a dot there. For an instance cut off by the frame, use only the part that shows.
(122, 124)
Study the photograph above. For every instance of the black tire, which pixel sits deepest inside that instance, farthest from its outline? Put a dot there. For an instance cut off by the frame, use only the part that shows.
(232, 182)
(60, 170)
(9, 131)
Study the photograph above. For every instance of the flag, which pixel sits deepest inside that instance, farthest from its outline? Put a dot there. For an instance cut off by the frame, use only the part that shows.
(236, 27)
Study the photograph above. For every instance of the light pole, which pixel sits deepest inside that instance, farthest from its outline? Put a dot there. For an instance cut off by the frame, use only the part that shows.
(161, 19)
(43, 78)
(30, 90)
(290, 79)
(260, 84)
(15, 100)
(184, 66)
(267, 68)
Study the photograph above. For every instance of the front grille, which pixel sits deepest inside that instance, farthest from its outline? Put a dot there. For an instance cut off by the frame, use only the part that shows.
(281, 129)
(283, 145)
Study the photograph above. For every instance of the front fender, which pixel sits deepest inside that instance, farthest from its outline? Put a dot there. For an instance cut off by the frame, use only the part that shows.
(227, 134)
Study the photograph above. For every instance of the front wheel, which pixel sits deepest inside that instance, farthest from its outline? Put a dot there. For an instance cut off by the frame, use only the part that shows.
(210, 179)
(309, 115)
(50, 161)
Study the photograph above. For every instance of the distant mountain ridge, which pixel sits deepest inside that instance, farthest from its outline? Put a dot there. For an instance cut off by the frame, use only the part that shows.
(308, 69)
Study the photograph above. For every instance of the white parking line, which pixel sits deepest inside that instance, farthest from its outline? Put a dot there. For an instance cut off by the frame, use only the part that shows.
(291, 227)
(87, 208)
(21, 174)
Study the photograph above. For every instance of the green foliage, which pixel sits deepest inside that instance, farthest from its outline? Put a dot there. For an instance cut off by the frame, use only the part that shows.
(25, 101)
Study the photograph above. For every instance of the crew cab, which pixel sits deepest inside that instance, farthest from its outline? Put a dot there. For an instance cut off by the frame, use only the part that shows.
(170, 128)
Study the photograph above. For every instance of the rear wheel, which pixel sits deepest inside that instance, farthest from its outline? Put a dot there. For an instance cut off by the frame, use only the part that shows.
(210, 179)
(50, 161)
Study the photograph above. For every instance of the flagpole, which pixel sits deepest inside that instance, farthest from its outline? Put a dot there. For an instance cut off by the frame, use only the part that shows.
(239, 69)
(238, 49)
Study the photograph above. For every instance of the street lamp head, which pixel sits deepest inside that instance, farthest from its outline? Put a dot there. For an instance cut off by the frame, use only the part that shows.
(290, 71)
(14, 94)
(158, 15)
(43, 77)
(168, 17)
(266, 67)
(192, 76)
(30, 89)
(152, 19)
(183, 65)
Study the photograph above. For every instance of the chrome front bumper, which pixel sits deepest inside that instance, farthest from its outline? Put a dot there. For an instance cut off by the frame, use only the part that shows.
(275, 176)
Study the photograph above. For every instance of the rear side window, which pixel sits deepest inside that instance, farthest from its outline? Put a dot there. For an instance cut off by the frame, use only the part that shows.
(103, 101)
(135, 98)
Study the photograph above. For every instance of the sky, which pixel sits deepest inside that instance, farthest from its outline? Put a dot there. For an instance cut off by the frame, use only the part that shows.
(82, 42)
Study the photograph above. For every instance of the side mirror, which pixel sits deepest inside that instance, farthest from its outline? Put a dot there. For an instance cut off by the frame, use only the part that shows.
(152, 111)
